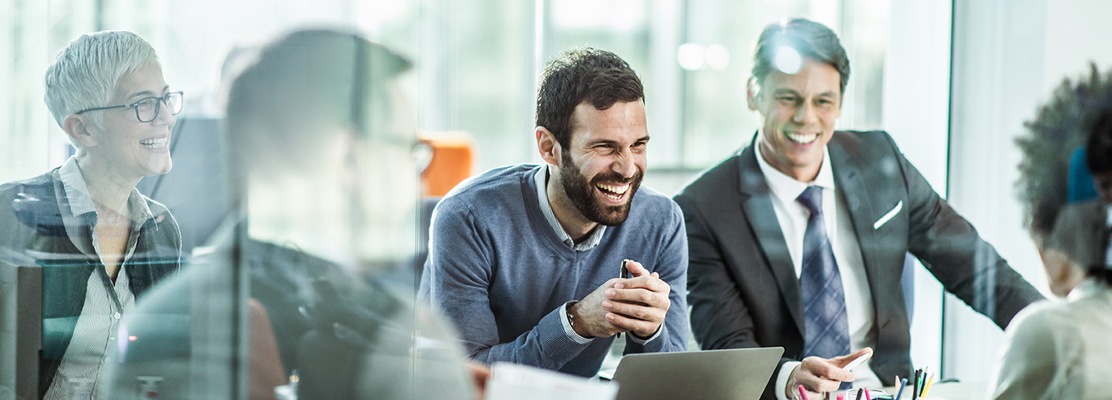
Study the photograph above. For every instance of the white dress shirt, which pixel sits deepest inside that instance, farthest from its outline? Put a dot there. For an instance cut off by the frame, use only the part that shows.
(94, 342)
(792, 217)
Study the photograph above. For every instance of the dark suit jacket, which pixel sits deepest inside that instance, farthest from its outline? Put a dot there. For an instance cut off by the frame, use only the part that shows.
(742, 286)
(31, 225)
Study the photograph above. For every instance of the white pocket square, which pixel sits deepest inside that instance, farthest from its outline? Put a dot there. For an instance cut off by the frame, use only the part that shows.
(895, 210)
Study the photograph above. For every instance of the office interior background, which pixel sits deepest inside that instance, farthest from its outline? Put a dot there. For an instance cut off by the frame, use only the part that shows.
(952, 81)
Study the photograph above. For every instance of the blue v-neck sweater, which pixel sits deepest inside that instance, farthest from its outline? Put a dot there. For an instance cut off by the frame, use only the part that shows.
(497, 269)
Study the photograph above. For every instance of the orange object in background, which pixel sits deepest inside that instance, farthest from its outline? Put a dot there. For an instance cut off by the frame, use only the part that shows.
(453, 160)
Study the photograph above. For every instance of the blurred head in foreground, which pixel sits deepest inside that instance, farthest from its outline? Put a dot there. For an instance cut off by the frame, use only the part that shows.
(322, 145)
(1078, 113)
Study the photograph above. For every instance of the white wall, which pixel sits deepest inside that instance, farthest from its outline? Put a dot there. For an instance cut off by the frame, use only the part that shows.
(1076, 33)
(998, 74)
(916, 99)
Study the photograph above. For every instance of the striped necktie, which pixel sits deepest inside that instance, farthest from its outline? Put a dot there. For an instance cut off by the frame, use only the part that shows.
(826, 331)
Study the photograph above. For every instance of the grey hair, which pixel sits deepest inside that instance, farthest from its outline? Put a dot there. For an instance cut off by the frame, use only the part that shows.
(86, 72)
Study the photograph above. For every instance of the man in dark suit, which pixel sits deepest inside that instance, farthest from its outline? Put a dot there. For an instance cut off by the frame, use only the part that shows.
(799, 239)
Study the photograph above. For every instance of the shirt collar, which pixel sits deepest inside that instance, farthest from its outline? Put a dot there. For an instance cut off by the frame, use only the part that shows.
(77, 193)
(540, 180)
(81, 202)
(786, 188)
(1087, 287)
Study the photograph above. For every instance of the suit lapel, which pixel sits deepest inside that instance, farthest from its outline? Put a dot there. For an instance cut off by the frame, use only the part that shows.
(756, 202)
(852, 189)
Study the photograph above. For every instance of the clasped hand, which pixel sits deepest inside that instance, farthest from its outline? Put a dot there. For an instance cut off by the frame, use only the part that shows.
(637, 305)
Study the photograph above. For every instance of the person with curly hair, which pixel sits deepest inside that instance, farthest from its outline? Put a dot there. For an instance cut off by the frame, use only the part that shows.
(1057, 350)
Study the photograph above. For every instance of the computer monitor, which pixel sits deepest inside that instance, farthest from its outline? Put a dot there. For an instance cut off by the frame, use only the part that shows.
(20, 327)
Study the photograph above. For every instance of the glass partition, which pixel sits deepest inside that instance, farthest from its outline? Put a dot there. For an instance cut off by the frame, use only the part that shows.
(347, 242)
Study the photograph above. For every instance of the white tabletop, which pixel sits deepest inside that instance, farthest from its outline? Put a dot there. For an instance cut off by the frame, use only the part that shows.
(949, 391)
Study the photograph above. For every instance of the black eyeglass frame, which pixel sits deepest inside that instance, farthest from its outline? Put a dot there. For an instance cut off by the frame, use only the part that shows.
(159, 101)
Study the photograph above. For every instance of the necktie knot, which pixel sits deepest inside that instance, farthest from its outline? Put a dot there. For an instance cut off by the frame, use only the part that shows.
(812, 199)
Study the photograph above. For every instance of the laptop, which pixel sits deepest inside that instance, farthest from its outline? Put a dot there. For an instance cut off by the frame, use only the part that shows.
(733, 374)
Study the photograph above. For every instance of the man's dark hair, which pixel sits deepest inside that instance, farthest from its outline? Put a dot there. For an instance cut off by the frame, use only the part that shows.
(1062, 125)
(590, 75)
(1098, 150)
(811, 39)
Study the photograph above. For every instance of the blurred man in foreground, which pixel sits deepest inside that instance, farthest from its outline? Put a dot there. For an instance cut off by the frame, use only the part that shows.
(321, 143)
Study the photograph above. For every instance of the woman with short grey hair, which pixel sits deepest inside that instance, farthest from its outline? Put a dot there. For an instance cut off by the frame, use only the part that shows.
(100, 243)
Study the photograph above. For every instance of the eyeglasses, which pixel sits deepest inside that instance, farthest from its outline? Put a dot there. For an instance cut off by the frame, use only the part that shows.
(146, 109)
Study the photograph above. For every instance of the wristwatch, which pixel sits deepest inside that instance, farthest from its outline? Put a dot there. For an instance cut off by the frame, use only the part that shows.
(567, 311)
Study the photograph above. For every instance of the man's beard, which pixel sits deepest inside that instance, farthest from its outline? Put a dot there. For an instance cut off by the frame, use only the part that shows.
(582, 193)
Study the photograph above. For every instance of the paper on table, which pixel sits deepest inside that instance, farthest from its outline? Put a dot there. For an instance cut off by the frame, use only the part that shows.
(514, 381)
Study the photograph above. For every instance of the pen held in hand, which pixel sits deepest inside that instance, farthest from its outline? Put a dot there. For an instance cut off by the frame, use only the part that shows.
(623, 273)
(857, 361)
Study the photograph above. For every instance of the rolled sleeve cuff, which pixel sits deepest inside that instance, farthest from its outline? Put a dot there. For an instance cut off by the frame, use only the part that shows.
(782, 379)
(571, 332)
(642, 342)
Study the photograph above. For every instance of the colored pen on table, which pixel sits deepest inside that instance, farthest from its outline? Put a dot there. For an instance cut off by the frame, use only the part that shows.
(922, 382)
(859, 394)
(802, 392)
(841, 396)
(903, 384)
(930, 381)
(915, 384)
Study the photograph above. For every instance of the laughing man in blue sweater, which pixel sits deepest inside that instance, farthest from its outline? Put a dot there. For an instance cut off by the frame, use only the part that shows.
(525, 259)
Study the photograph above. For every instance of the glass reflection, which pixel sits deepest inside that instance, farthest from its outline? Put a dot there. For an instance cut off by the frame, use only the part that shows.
(298, 294)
